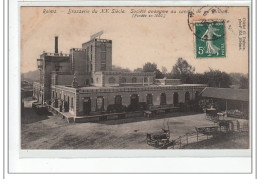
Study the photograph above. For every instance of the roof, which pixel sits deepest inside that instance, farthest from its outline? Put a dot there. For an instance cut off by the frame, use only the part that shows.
(226, 93)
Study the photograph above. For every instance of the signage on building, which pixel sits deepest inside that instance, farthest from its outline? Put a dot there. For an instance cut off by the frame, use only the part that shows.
(98, 34)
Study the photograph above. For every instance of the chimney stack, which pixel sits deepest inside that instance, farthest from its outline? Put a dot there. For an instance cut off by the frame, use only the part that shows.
(56, 44)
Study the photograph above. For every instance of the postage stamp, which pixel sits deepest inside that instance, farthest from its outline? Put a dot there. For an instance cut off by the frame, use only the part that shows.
(210, 39)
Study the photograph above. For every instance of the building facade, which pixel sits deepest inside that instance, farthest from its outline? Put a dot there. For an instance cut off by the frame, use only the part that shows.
(82, 83)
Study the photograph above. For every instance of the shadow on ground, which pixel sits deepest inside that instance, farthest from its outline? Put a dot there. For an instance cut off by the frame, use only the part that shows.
(140, 119)
(30, 116)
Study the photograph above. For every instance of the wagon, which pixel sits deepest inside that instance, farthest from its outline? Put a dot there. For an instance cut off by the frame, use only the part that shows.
(158, 139)
(211, 114)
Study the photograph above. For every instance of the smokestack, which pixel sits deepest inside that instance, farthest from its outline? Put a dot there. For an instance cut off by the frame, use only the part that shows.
(56, 44)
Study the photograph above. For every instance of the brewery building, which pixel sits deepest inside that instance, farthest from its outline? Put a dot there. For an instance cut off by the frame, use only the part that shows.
(82, 83)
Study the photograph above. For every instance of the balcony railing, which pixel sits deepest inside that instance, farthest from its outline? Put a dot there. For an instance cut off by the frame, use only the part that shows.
(56, 54)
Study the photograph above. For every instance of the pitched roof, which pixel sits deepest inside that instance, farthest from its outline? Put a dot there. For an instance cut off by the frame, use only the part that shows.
(226, 93)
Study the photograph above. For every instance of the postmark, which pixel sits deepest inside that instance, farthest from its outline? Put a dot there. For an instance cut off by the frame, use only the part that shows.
(210, 39)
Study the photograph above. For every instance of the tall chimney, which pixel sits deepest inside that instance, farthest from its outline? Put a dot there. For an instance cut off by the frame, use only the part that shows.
(56, 44)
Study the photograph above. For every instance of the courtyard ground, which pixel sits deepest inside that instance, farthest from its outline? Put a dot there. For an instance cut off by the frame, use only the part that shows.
(52, 132)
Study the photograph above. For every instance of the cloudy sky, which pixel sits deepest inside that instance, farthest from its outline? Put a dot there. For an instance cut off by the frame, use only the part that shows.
(135, 40)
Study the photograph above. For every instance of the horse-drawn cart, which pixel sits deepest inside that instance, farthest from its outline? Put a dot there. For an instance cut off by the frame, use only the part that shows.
(211, 114)
(158, 140)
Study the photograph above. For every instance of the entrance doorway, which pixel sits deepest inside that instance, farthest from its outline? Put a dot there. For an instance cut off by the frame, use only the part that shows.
(134, 102)
(187, 97)
(163, 99)
(87, 105)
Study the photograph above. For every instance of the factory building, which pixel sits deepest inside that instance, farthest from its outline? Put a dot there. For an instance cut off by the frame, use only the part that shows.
(82, 83)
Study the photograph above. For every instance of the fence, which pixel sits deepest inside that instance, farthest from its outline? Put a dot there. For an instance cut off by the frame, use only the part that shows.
(194, 137)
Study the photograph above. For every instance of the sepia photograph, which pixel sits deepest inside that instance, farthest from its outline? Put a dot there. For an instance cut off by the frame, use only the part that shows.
(150, 78)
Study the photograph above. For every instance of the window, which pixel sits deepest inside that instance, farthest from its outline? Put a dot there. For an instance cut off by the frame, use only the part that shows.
(145, 79)
(103, 66)
(134, 80)
(187, 97)
(118, 100)
(175, 99)
(103, 56)
(103, 47)
(87, 81)
(97, 80)
(111, 80)
(163, 99)
(149, 99)
(123, 80)
(71, 103)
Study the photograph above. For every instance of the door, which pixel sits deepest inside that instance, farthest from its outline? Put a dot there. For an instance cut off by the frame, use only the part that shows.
(163, 99)
(134, 101)
(175, 99)
(87, 105)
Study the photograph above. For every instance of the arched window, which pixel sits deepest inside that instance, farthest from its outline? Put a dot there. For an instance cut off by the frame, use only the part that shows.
(134, 80)
(187, 97)
(175, 99)
(97, 80)
(149, 99)
(111, 80)
(118, 99)
(163, 99)
(123, 80)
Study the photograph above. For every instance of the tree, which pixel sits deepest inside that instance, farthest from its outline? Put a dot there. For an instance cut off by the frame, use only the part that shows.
(118, 68)
(152, 67)
(149, 67)
(183, 70)
(138, 70)
(164, 70)
(199, 78)
(216, 78)
(244, 83)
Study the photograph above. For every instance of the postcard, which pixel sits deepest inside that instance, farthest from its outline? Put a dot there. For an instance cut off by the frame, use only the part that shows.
(135, 77)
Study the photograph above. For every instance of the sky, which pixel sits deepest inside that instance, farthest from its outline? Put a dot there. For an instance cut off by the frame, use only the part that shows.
(160, 40)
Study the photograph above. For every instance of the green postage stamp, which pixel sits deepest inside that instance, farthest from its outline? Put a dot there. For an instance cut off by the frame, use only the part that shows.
(210, 39)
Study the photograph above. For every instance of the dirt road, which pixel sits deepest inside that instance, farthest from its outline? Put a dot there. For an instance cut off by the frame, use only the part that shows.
(52, 132)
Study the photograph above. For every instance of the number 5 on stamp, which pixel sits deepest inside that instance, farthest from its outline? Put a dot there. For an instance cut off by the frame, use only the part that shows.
(210, 39)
